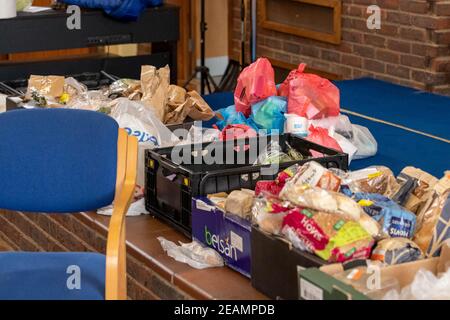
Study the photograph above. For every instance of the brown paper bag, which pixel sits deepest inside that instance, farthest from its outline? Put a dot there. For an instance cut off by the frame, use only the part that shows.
(180, 114)
(176, 96)
(155, 85)
(51, 87)
(201, 111)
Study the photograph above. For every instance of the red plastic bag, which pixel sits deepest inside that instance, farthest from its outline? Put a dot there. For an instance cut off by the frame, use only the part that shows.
(309, 95)
(320, 136)
(237, 131)
(255, 83)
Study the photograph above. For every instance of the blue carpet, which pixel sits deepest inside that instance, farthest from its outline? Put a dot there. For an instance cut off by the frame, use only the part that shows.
(396, 148)
(411, 108)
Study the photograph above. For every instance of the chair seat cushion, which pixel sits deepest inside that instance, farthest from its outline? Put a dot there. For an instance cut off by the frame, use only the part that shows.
(52, 276)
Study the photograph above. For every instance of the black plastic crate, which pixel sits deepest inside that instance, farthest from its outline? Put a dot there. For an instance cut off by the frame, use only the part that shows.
(171, 184)
(278, 280)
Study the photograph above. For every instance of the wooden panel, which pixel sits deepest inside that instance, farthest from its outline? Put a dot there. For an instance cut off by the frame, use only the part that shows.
(186, 59)
(315, 19)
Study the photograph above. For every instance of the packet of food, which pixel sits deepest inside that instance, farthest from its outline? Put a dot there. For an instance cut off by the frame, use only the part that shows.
(268, 213)
(397, 251)
(240, 203)
(415, 187)
(320, 199)
(49, 87)
(332, 237)
(395, 221)
(375, 179)
(314, 174)
(155, 85)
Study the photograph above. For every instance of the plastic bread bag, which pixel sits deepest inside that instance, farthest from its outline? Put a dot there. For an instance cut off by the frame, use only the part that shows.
(364, 141)
(314, 174)
(320, 199)
(268, 213)
(395, 221)
(193, 254)
(435, 226)
(397, 251)
(415, 187)
(330, 202)
(376, 179)
(332, 237)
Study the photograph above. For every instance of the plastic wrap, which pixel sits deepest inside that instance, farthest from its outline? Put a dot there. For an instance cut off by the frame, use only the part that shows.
(364, 141)
(193, 254)
(142, 123)
(426, 286)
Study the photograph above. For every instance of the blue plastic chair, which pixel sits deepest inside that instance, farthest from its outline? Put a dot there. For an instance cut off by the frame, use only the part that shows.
(66, 161)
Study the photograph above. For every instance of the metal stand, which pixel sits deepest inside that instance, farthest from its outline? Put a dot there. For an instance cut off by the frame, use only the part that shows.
(206, 80)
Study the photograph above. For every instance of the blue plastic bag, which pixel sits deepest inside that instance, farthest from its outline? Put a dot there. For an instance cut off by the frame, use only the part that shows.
(119, 9)
(231, 116)
(269, 114)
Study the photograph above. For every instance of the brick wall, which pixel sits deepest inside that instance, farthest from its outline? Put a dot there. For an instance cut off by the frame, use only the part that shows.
(412, 47)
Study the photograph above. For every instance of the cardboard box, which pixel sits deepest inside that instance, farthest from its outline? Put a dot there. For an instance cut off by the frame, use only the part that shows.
(274, 265)
(315, 284)
(228, 234)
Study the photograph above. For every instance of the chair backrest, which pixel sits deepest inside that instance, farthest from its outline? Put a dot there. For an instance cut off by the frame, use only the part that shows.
(57, 160)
